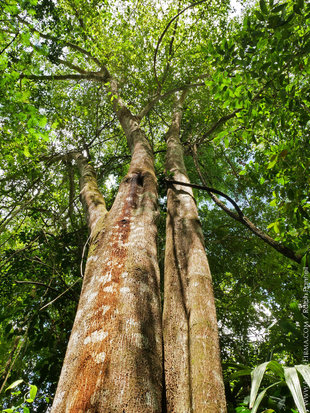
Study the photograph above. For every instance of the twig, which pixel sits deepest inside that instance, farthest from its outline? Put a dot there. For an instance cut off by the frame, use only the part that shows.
(36, 283)
(60, 295)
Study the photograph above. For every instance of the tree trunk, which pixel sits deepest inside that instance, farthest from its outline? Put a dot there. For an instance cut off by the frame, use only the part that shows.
(191, 348)
(113, 361)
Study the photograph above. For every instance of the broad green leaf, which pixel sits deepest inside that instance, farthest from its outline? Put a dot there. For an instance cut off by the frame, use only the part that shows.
(304, 370)
(259, 15)
(276, 368)
(33, 391)
(261, 396)
(272, 162)
(13, 385)
(263, 6)
(245, 372)
(292, 381)
(279, 7)
(257, 376)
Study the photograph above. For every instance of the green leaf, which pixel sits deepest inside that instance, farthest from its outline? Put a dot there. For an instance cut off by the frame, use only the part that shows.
(292, 381)
(33, 391)
(261, 396)
(272, 162)
(26, 410)
(301, 4)
(259, 15)
(278, 8)
(26, 151)
(245, 372)
(297, 9)
(276, 227)
(263, 6)
(257, 376)
(13, 385)
(276, 368)
(304, 370)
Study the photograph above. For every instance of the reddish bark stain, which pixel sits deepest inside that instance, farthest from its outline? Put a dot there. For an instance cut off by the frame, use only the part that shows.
(90, 371)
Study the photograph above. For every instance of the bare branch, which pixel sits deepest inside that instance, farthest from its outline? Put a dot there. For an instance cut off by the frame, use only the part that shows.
(36, 283)
(60, 295)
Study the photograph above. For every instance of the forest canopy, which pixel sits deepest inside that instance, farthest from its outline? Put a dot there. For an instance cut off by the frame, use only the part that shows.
(241, 85)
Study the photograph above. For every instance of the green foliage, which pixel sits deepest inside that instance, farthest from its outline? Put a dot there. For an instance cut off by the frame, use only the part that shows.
(247, 117)
(23, 402)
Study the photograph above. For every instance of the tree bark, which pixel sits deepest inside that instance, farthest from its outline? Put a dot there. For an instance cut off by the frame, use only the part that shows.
(191, 347)
(114, 356)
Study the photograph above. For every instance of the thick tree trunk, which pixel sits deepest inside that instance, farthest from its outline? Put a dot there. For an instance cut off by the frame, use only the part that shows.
(113, 361)
(192, 356)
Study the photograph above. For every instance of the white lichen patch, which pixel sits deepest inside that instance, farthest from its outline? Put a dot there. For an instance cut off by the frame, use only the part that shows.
(106, 277)
(92, 258)
(99, 358)
(74, 340)
(109, 289)
(104, 309)
(124, 274)
(132, 322)
(149, 399)
(125, 290)
(139, 340)
(144, 288)
(91, 296)
(96, 336)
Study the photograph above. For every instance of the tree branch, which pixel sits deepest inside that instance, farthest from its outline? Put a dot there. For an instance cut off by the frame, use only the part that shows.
(157, 97)
(9, 44)
(36, 283)
(65, 43)
(163, 34)
(240, 217)
(97, 76)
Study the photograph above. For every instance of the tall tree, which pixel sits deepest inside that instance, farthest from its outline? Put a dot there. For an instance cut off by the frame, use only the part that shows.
(93, 87)
(192, 357)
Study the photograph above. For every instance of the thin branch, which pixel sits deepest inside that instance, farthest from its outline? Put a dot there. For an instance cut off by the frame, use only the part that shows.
(157, 97)
(60, 295)
(9, 44)
(97, 76)
(240, 217)
(163, 34)
(36, 283)
(71, 66)
(59, 41)
(209, 189)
